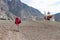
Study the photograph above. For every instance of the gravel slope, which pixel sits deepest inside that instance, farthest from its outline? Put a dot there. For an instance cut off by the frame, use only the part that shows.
(30, 30)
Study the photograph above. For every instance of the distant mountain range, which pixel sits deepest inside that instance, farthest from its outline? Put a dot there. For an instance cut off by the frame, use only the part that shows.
(57, 17)
(17, 8)
(9, 9)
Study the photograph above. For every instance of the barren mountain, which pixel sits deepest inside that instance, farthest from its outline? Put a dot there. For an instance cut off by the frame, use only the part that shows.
(17, 8)
(57, 17)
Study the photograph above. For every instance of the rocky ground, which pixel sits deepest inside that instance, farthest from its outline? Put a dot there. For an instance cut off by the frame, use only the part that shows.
(30, 30)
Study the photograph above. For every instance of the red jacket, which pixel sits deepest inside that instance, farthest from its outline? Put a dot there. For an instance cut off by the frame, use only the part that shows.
(17, 20)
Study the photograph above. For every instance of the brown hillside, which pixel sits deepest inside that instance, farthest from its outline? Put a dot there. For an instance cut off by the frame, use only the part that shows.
(30, 30)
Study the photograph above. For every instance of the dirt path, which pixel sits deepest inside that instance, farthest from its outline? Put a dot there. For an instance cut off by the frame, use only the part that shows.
(30, 30)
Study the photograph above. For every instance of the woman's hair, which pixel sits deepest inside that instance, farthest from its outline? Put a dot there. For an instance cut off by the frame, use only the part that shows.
(48, 12)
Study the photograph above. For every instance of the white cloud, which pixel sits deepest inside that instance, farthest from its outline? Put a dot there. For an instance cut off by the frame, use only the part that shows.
(45, 5)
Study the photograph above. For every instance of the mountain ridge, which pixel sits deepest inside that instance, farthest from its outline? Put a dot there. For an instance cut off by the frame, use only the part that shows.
(17, 8)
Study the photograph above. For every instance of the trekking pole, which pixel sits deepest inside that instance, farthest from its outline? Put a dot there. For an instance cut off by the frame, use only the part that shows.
(45, 15)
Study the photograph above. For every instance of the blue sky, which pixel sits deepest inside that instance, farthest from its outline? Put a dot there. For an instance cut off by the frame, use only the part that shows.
(44, 5)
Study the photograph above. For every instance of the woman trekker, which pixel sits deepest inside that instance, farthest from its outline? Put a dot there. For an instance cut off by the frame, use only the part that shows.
(17, 22)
